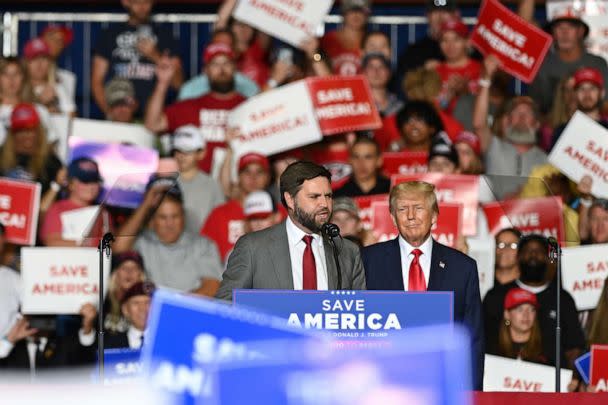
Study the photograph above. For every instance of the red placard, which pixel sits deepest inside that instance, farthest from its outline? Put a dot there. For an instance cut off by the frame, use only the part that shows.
(530, 215)
(19, 205)
(343, 104)
(452, 188)
(365, 207)
(598, 374)
(520, 46)
(404, 162)
(445, 231)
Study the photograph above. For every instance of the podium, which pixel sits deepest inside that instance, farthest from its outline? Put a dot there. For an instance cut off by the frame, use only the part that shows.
(352, 314)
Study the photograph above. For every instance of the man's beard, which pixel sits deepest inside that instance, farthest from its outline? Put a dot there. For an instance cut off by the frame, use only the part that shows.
(521, 135)
(534, 271)
(587, 110)
(307, 219)
(223, 86)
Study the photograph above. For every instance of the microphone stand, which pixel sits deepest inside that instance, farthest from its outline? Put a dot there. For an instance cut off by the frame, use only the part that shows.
(105, 245)
(331, 231)
(555, 254)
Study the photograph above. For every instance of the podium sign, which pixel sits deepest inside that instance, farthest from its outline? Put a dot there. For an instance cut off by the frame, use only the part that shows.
(353, 314)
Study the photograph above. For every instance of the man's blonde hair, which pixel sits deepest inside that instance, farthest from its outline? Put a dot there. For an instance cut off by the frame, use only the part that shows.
(414, 187)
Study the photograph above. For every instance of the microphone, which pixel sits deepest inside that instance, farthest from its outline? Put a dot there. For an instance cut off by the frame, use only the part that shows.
(332, 231)
(554, 248)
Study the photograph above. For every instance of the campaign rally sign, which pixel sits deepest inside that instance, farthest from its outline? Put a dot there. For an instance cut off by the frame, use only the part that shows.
(584, 270)
(359, 315)
(595, 15)
(292, 21)
(582, 150)
(520, 46)
(452, 188)
(188, 336)
(426, 366)
(511, 375)
(271, 122)
(445, 231)
(121, 366)
(19, 206)
(583, 365)
(59, 280)
(599, 367)
(343, 104)
(482, 250)
(125, 169)
(404, 162)
(541, 215)
(113, 132)
(364, 203)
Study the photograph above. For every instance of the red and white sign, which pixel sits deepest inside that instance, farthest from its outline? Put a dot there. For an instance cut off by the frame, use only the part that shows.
(584, 270)
(365, 207)
(581, 150)
(452, 188)
(343, 104)
(271, 122)
(292, 21)
(530, 215)
(520, 46)
(599, 367)
(19, 206)
(59, 280)
(510, 375)
(404, 162)
(445, 231)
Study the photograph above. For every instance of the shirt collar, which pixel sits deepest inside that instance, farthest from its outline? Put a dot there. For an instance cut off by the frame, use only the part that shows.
(426, 247)
(529, 288)
(295, 234)
(133, 333)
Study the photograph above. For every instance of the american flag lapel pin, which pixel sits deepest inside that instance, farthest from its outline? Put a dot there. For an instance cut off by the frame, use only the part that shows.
(442, 265)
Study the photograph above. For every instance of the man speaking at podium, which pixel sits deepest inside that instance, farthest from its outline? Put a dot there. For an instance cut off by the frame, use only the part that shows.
(415, 262)
(295, 255)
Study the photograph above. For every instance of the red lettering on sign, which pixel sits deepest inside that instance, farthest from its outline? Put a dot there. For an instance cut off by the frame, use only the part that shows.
(595, 284)
(64, 289)
(69, 271)
(522, 385)
(599, 266)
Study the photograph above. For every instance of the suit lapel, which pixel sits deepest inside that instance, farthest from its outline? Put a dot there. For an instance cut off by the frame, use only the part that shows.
(281, 259)
(332, 270)
(437, 271)
(395, 262)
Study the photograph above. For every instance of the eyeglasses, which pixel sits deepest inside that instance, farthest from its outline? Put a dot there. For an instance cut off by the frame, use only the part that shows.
(503, 245)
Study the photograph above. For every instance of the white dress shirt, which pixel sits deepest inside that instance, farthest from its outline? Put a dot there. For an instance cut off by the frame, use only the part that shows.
(296, 253)
(407, 257)
(134, 336)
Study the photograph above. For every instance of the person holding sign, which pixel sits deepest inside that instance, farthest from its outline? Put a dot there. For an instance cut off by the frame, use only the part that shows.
(415, 262)
(294, 255)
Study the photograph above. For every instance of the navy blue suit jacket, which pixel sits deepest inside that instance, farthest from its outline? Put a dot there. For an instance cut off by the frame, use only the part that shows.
(382, 263)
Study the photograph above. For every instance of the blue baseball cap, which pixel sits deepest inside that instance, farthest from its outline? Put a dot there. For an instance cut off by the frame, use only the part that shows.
(85, 170)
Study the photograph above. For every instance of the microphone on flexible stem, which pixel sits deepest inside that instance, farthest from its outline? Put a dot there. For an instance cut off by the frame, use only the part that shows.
(555, 254)
(105, 244)
(332, 231)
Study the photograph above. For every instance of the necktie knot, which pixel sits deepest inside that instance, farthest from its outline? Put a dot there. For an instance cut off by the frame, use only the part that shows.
(416, 253)
(307, 239)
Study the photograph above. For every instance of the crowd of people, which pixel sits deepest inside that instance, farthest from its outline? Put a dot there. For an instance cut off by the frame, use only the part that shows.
(442, 99)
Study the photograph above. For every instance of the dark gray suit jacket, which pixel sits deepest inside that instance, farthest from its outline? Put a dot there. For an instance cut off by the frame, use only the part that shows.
(261, 260)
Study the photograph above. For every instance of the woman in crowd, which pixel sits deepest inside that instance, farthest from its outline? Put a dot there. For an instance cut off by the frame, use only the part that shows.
(598, 330)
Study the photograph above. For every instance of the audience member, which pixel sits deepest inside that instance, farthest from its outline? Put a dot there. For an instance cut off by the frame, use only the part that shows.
(260, 212)
(375, 42)
(59, 37)
(443, 158)
(376, 68)
(418, 124)
(469, 151)
(562, 108)
(120, 98)
(506, 267)
(132, 50)
(593, 225)
(366, 162)
(598, 330)
(346, 215)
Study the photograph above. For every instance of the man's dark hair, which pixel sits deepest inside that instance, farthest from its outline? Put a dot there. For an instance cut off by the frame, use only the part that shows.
(422, 110)
(364, 139)
(533, 237)
(296, 174)
(369, 34)
(2, 229)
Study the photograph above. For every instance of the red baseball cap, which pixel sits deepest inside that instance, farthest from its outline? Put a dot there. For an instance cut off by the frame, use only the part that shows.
(454, 25)
(470, 139)
(517, 296)
(215, 49)
(67, 32)
(253, 157)
(24, 116)
(36, 47)
(586, 74)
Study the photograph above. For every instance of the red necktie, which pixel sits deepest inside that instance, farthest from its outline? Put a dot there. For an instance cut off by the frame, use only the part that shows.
(308, 265)
(416, 276)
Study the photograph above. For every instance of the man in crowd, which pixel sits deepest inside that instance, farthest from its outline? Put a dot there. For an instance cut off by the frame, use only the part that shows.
(535, 277)
(293, 255)
(366, 161)
(209, 112)
(506, 268)
(121, 102)
(595, 228)
(174, 257)
(443, 158)
(415, 262)
(260, 211)
(131, 50)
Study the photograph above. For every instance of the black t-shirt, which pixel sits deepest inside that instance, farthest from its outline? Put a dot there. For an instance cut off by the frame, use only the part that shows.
(571, 332)
(118, 45)
(352, 189)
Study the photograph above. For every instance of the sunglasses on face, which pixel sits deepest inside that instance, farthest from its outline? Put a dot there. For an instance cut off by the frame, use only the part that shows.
(503, 245)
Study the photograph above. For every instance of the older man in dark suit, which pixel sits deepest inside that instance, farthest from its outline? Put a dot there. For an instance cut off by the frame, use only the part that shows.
(415, 262)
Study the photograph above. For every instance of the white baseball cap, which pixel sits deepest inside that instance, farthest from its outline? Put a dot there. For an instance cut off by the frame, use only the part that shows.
(188, 138)
(258, 204)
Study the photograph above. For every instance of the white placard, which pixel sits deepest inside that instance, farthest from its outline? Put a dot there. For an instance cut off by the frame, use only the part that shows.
(76, 224)
(584, 269)
(482, 250)
(60, 280)
(291, 21)
(504, 374)
(113, 132)
(275, 121)
(581, 150)
(61, 122)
